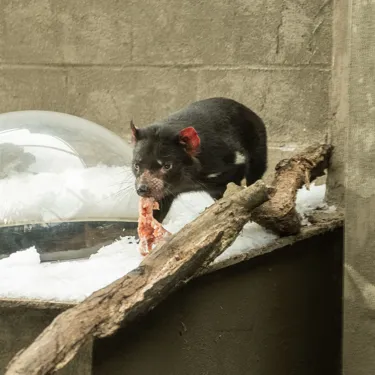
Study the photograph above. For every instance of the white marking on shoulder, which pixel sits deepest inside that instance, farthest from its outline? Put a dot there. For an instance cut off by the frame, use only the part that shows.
(239, 158)
(213, 175)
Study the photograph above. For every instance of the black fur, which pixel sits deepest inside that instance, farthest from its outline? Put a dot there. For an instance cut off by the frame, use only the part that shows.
(225, 127)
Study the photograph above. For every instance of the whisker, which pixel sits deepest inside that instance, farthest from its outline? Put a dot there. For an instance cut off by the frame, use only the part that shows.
(118, 195)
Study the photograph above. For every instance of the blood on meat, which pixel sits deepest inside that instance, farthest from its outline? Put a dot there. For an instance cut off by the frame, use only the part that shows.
(150, 231)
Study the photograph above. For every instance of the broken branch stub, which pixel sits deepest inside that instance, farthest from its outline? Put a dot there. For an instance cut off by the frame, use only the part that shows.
(160, 273)
(279, 213)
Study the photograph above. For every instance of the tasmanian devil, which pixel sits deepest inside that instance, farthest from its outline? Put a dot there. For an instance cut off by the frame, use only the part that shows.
(202, 147)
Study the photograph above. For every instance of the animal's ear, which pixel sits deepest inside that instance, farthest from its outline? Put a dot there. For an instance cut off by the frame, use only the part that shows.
(189, 138)
(135, 132)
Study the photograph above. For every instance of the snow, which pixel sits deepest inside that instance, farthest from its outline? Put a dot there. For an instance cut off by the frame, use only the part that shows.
(97, 192)
(72, 195)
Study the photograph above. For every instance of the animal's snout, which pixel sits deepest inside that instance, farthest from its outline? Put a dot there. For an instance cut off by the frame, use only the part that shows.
(142, 190)
(149, 185)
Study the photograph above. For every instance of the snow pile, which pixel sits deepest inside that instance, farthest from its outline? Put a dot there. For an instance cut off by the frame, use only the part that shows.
(97, 192)
(23, 276)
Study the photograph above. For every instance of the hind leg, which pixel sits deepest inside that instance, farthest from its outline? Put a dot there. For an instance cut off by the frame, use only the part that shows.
(217, 193)
(255, 168)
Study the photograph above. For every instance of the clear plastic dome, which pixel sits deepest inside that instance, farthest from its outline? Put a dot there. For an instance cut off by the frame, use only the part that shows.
(66, 185)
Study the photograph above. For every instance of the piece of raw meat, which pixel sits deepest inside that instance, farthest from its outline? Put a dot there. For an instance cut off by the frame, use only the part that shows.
(150, 231)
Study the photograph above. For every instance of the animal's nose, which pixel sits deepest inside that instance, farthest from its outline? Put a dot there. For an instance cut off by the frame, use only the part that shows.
(142, 190)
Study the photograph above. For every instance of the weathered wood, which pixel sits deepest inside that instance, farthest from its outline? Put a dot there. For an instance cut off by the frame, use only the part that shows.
(279, 213)
(170, 265)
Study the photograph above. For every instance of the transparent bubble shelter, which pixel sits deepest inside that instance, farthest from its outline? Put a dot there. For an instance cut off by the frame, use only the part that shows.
(66, 185)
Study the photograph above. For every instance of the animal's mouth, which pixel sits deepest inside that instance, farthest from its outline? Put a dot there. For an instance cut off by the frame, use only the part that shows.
(155, 195)
(150, 186)
(149, 193)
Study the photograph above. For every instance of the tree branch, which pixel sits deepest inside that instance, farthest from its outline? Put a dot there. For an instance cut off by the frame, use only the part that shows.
(169, 266)
(279, 213)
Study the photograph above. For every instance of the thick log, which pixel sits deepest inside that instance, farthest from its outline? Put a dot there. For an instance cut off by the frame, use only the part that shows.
(169, 266)
(279, 213)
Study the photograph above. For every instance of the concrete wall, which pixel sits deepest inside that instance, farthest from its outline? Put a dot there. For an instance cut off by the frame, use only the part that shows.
(339, 104)
(110, 60)
(359, 304)
(351, 180)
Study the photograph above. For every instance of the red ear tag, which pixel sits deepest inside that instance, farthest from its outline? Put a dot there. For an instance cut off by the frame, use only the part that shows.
(190, 138)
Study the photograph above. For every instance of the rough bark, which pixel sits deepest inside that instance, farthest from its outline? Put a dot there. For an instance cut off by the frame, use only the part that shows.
(279, 213)
(170, 265)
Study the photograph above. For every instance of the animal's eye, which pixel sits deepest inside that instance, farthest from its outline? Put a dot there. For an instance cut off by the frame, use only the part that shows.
(136, 167)
(167, 166)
